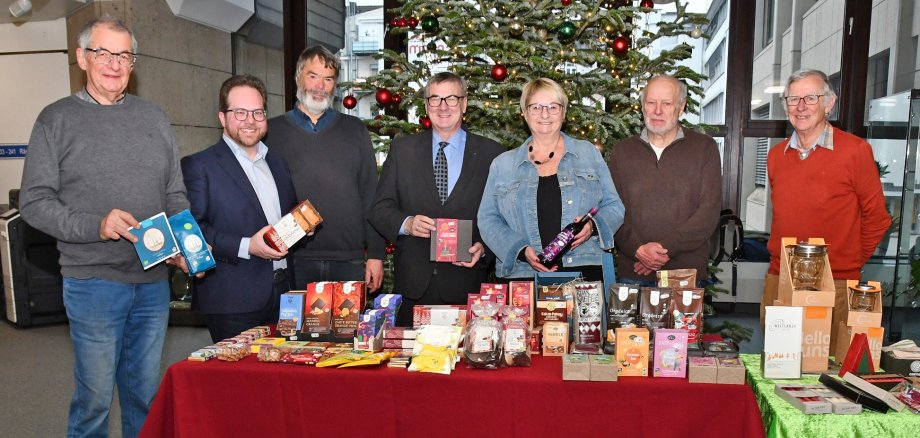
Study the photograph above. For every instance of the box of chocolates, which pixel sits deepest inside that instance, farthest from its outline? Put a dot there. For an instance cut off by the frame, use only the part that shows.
(670, 353)
(551, 311)
(451, 240)
(317, 318)
(840, 405)
(731, 371)
(347, 303)
(444, 315)
(292, 227)
(521, 294)
(632, 351)
(803, 399)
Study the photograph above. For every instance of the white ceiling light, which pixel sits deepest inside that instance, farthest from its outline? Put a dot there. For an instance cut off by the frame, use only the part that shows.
(20, 7)
(774, 89)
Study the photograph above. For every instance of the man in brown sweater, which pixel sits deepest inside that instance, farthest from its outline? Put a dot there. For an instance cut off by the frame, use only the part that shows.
(670, 181)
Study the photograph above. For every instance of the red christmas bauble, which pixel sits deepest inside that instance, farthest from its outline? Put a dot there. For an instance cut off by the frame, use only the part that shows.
(566, 2)
(425, 122)
(394, 22)
(412, 22)
(349, 101)
(620, 46)
(401, 22)
(647, 4)
(395, 100)
(499, 72)
(383, 96)
(391, 248)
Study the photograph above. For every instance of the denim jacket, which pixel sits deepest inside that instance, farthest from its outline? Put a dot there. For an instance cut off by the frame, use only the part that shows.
(508, 213)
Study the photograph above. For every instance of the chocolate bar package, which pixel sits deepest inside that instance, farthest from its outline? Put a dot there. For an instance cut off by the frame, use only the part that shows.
(550, 311)
(155, 240)
(348, 301)
(290, 313)
(191, 242)
(589, 305)
(399, 333)
(687, 310)
(317, 316)
(622, 309)
(292, 227)
(441, 315)
(390, 304)
(677, 278)
(555, 338)
(655, 309)
(451, 240)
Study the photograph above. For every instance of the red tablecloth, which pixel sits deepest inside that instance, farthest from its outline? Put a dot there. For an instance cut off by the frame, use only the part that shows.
(248, 398)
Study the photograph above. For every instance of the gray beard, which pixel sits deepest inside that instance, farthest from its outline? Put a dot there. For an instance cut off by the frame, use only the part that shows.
(314, 107)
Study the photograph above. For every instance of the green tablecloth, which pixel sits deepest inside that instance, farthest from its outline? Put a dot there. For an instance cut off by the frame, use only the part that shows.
(781, 419)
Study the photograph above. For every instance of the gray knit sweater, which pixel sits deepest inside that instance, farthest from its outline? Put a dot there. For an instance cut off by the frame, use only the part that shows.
(86, 159)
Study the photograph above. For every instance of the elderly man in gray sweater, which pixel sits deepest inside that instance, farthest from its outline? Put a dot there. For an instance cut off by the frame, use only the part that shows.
(98, 161)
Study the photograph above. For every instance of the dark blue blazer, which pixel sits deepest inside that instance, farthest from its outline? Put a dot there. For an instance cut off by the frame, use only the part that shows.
(227, 209)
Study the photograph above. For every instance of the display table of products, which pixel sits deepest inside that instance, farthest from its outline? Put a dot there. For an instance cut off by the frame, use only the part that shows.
(251, 398)
(782, 419)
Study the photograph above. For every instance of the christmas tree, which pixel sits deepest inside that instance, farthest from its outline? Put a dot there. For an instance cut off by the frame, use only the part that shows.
(597, 50)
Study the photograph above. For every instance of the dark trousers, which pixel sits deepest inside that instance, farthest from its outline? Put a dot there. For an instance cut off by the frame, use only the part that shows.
(228, 325)
(309, 271)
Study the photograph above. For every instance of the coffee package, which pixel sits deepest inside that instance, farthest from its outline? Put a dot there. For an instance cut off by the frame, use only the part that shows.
(676, 278)
(589, 306)
(687, 312)
(622, 309)
(655, 308)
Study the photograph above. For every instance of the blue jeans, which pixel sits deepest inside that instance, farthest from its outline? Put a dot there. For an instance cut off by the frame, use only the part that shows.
(117, 331)
(309, 271)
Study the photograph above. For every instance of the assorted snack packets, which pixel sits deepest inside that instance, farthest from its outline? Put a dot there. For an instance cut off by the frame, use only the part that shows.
(435, 349)
(516, 337)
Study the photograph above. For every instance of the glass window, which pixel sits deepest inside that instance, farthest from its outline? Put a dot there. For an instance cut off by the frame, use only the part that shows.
(802, 35)
(714, 64)
(755, 210)
(364, 32)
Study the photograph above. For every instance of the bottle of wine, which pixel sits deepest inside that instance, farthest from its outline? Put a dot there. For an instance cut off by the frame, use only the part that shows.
(562, 240)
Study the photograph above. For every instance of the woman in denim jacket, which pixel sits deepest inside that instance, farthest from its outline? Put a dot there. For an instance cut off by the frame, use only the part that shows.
(535, 190)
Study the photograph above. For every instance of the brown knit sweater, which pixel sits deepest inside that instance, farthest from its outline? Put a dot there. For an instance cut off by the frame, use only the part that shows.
(674, 201)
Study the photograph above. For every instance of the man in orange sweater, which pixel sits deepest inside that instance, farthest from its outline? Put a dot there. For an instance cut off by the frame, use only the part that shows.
(824, 183)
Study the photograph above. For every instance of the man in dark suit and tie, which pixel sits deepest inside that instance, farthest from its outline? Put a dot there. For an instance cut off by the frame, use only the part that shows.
(430, 175)
(237, 190)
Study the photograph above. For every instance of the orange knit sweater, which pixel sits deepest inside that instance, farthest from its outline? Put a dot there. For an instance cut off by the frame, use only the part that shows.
(834, 194)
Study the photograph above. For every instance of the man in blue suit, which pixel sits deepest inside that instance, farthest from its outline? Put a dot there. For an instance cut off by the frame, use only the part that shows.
(237, 189)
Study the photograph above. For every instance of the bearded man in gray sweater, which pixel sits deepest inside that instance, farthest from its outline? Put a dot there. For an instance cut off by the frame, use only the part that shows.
(98, 161)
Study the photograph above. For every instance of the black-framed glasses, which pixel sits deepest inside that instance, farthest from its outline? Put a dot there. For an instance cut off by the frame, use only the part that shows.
(451, 101)
(810, 99)
(242, 114)
(535, 109)
(103, 56)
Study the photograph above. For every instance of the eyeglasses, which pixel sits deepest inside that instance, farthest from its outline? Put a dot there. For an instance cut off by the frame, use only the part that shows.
(535, 109)
(241, 114)
(810, 99)
(103, 56)
(451, 101)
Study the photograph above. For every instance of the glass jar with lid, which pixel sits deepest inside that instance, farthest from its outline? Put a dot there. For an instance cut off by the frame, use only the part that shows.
(863, 297)
(807, 265)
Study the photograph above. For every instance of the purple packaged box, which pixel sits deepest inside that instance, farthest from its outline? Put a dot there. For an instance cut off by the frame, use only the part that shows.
(670, 353)
(390, 304)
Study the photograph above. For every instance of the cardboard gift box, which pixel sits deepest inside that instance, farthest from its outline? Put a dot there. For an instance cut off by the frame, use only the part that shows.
(731, 371)
(292, 227)
(853, 393)
(444, 315)
(890, 399)
(782, 346)
(865, 319)
(603, 368)
(451, 240)
(703, 370)
(576, 367)
(909, 367)
(823, 297)
(840, 405)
